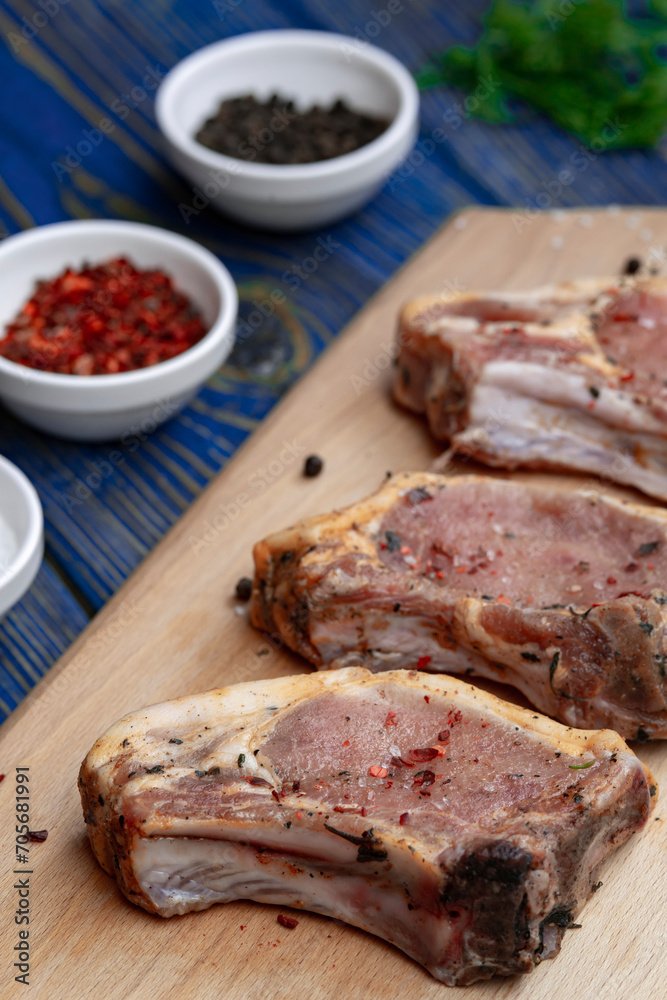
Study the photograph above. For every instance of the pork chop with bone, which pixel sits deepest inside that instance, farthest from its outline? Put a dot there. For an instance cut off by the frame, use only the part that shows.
(556, 592)
(463, 830)
(572, 376)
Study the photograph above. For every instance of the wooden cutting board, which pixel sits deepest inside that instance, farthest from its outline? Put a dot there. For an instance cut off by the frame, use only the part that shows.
(174, 629)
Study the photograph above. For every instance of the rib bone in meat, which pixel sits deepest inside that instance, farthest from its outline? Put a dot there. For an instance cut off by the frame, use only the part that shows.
(462, 829)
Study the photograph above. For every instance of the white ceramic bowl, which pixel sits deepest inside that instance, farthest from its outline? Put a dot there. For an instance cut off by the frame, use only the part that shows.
(105, 407)
(308, 67)
(21, 534)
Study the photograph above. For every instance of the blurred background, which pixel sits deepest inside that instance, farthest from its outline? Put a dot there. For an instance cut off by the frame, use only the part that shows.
(66, 66)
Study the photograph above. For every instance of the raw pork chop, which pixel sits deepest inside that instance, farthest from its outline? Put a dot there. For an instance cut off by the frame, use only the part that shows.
(557, 593)
(573, 376)
(462, 829)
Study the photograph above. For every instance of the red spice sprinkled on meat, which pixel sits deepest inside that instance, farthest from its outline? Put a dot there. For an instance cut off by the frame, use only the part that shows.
(423, 779)
(399, 762)
(421, 755)
(509, 772)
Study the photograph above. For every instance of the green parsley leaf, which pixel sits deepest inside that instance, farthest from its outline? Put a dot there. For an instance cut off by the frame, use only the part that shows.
(597, 72)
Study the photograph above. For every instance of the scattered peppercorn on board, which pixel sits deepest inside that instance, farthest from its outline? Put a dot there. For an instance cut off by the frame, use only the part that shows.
(175, 628)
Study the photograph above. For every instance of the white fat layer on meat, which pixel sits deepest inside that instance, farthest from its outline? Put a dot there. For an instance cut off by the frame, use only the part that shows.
(576, 715)
(554, 301)
(306, 843)
(401, 645)
(569, 388)
(454, 661)
(183, 874)
(180, 875)
(518, 430)
(227, 722)
(455, 324)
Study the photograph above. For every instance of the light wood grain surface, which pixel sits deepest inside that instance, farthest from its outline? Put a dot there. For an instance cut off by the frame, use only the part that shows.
(173, 629)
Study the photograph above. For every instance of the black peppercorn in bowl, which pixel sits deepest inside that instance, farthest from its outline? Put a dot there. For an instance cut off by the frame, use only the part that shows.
(271, 83)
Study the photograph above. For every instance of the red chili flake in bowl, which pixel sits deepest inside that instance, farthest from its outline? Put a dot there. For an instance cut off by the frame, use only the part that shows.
(102, 320)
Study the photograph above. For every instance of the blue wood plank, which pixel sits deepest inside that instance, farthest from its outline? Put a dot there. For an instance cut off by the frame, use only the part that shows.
(35, 633)
(77, 68)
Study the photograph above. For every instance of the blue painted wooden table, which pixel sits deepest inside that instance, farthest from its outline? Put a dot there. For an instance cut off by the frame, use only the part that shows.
(64, 67)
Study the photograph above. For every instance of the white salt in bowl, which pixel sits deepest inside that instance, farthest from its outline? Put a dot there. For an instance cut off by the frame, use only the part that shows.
(21, 534)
